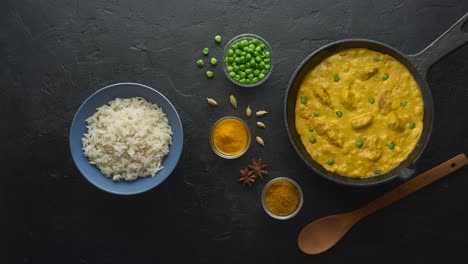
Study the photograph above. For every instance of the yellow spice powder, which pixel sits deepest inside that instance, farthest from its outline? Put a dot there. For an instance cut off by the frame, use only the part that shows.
(281, 198)
(230, 136)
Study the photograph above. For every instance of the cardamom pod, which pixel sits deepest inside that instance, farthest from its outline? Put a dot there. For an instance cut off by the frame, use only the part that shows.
(248, 111)
(261, 113)
(261, 125)
(233, 101)
(260, 140)
(212, 102)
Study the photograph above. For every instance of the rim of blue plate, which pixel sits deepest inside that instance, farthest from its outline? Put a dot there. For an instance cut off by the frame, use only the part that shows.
(160, 176)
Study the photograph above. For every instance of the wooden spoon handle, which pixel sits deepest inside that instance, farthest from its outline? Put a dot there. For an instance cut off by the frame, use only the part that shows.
(412, 185)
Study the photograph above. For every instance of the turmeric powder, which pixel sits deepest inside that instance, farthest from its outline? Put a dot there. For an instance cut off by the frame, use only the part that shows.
(230, 136)
(281, 198)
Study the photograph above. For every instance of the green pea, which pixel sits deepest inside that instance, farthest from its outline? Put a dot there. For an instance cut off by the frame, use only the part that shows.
(248, 71)
(209, 74)
(200, 63)
(377, 171)
(262, 46)
(248, 57)
(248, 81)
(261, 76)
(330, 162)
(359, 143)
(235, 46)
(411, 125)
(242, 67)
(391, 145)
(230, 59)
(232, 74)
(311, 129)
(230, 52)
(312, 140)
(245, 49)
(266, 54)
(214, 61)
(206, 51)
(258, 49)
(247, 65)
(264, 71)
(385, 77)
(404, 103)
(242, 80)
(376, 58)
(267, 66)
(261, 65)
(230, 68)
(217, 39)
(238, 52)
(256, 53)
(255, 41)
(237, 78)
(267, 61)
(304, 100)
(242, 74)
(255, 80)
(316, 113)
(243, 53)
(251, 76)
(371, 100)
(336, 78)
(257, 72)
(339, 114)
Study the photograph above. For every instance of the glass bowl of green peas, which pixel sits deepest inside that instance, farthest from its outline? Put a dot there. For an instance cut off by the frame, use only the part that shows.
(247, 60)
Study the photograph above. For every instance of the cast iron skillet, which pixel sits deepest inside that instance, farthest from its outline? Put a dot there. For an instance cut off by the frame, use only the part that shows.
(418, 64)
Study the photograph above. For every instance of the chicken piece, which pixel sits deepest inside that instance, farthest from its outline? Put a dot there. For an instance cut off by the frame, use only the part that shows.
(330, 132)
(321, 93)
(385, 105)
(373, 150)
(394, 122)
(366, 73)
(334, 137)
(347, 99)
(361, 121)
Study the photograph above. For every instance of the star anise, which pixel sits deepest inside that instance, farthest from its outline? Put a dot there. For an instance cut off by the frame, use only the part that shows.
(247, 177)
(258, 168)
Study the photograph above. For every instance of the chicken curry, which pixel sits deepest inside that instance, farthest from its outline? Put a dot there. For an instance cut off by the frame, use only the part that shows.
(359, 113)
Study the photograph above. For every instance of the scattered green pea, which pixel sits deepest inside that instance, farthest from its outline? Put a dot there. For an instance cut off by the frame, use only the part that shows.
(330, 162)
(209, 74)
(303, 100)
(316, 113)
(385, 77)
(217, 39)
(359, 143)
(411, 125)
(405, 103)
(377, 171)
(336, 78)
(391, 145)
(206, 51)
(214, 61)
(371, 100)
(339, 114)
(311, 129)
(200, 63)
(312, 140)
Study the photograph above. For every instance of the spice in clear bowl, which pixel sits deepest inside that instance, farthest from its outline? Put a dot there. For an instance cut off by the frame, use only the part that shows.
(230, 137)
(282, 198)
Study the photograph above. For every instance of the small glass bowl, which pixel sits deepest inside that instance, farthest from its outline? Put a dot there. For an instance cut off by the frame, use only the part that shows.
(224, 155)
(299, 203)
(247, 36)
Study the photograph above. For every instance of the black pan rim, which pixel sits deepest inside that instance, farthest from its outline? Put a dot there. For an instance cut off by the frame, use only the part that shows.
(286, 120)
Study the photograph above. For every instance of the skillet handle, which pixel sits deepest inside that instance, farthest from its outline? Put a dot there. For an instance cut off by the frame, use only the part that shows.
(447, 42)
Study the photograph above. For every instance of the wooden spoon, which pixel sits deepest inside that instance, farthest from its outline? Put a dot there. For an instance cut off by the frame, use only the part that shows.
(324, 233)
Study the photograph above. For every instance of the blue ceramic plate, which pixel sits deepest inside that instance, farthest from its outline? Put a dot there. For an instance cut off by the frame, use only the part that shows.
(103, 96)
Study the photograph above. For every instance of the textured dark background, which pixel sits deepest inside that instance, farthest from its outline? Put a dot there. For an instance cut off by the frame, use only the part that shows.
(53, 54)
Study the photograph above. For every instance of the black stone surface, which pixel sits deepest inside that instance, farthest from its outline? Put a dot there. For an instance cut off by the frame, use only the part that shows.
(54, 54)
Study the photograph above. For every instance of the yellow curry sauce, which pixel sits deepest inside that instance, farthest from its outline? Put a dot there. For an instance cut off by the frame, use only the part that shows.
(359, 113)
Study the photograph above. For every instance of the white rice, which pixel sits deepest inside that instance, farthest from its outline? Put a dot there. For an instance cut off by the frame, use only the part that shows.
(127, 138)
